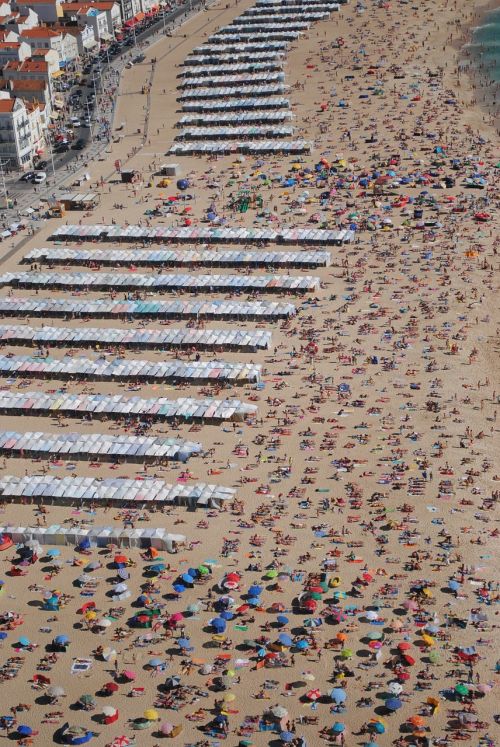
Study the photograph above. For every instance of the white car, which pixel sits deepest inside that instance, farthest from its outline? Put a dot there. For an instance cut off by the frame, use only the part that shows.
(75, 122)
(39, 177)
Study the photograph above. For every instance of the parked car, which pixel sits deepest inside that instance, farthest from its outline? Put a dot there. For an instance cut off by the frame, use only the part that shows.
(78, 144)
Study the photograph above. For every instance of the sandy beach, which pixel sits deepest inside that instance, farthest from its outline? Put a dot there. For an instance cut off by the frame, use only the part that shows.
(347, 593)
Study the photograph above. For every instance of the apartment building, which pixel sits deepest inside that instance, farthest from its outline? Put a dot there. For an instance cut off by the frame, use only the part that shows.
(43, 37)
(13, 50)
(111, 10)
(48, 11)
(33, 91)
(15, 133)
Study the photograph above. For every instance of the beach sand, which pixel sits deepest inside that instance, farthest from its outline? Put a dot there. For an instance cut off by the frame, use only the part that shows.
(373, 457)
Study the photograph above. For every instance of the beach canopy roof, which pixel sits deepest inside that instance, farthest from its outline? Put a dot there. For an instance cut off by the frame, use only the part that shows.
(122, 369)
(117, 406)
(161, 282)
(150, 309)
(141, 339)
(205, 234)
(262, 147)
(95, 446)
(175, 257)
(113, 489)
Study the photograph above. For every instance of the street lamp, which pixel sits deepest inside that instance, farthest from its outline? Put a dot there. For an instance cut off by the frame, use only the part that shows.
(90, 120)
(51, 152)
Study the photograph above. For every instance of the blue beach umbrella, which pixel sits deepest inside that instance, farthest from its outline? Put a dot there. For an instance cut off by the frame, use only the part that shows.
(156, 568)
(218, 624)
(24, 730)
(338, 727)
(338, 695)
(255, 591)
(282, 620)
(393, 704)
(285, 640)
(155, 662)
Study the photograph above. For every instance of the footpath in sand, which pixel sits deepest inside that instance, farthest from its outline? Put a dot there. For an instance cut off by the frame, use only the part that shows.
(346, 592)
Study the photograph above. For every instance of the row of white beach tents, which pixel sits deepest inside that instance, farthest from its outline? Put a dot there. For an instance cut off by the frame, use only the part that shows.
(219, 57)
(247, 132)
(121, 369)
(176, 257)
(274, 62)
(288, 147)
(162, 282)
(221, 92)
(249, 36)
(146, 309)
(80, 490)
(92, 446)
(308, 9)
(240, 78)
(238, 48)
(60, 534)
(332, 4)
(234, 118)
(255, 28)
(203, 234)
(154, 339)
(236, 104)
(273, 15)
(120, 406)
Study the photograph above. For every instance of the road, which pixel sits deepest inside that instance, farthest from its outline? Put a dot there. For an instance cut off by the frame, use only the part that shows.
(71, 165)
